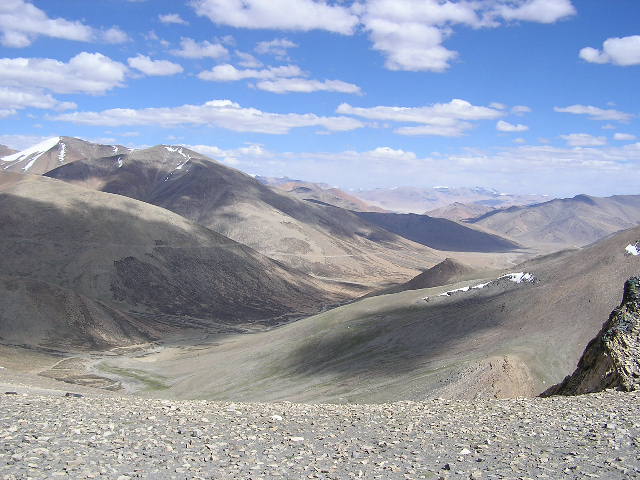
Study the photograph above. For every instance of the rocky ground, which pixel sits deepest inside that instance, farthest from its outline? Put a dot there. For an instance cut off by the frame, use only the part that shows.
(44, 434)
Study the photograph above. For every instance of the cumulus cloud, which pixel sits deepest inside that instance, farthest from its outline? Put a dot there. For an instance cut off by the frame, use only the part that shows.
(247, 60)
(91, 73)
(283, 79)
(520, 109)
(190, 48)
(278, 47)
(302, 15)
(624, 51)
(303, 85)
(217, 113)
(228, 73)
(114, 35)
(410, 33)
(509, 127)
(583, 140)
(596, 113)
(540, 11)
(21, 23)
(624, 137)
(173, 18)
(443, 119)
(13, 99)
(154, 67)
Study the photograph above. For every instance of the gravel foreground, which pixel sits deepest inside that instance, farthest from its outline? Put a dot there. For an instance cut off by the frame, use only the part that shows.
(51, 436)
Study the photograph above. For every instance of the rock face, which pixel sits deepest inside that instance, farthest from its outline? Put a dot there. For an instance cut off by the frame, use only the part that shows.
(612, 358)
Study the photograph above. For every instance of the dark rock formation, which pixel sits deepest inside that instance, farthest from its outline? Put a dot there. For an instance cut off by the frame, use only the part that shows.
(612, 358)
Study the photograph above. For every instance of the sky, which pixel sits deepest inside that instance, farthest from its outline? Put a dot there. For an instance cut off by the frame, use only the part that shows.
(526, 96)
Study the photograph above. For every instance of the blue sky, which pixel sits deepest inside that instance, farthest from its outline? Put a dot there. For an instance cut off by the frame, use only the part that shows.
(527, 96)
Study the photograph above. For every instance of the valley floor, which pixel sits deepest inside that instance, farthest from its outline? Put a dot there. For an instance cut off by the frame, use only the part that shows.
(44, 434)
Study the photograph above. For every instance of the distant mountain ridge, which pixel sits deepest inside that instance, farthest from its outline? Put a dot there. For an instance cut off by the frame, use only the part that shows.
(420, 200)
(567, 222)
(320, 192)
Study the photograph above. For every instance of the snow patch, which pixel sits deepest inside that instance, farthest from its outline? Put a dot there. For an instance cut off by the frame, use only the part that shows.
(115, 150)
(633, 249)
(37, 150)
(63, 151)
(120, 162)
(519, 277)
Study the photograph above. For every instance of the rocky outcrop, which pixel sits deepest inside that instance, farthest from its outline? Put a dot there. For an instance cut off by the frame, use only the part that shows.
(612, 358)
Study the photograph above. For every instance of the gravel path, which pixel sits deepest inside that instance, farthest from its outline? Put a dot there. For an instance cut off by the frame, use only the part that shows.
(50, 436)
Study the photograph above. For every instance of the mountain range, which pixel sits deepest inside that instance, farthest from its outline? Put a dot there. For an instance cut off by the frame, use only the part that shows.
(107, 246)
(420, 200)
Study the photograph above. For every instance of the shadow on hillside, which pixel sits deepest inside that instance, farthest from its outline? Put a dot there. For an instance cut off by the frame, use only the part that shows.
(397, 342)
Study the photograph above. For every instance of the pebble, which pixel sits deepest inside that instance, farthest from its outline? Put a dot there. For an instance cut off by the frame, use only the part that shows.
(121, 438)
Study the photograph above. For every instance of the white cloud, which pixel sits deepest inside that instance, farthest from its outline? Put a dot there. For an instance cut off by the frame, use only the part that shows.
(509, 127)
(623, 51)
(91, 73)
(173, 18)
(303, 85)
(302, 15)
(21, 23)
(12, 99)
(498, 105)
(114, 35)
(540, 11)
(443, 119)
(216, 113)
(624, 137)
(583, 140)
(410, 33)
(520, 109)
(559, 171)
(5, 112)
(154, 67)
(596, 113)
(228, 73)
(189, 48)
(247, 60)
(277, 47)
(22, 142)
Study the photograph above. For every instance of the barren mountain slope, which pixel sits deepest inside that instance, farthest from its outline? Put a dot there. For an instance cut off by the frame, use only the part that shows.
(54, 152)
(459, 211)
(38, 313)
(322, 240)
(567, 222)
(439, 233)
(136, 257)
(505, 339)
(446, 272)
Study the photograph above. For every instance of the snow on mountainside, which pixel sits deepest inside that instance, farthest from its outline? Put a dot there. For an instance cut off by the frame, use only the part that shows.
(55, 152)
(26, 158)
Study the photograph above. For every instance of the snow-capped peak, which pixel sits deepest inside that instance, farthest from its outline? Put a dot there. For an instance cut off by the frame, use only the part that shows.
(38, 149)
